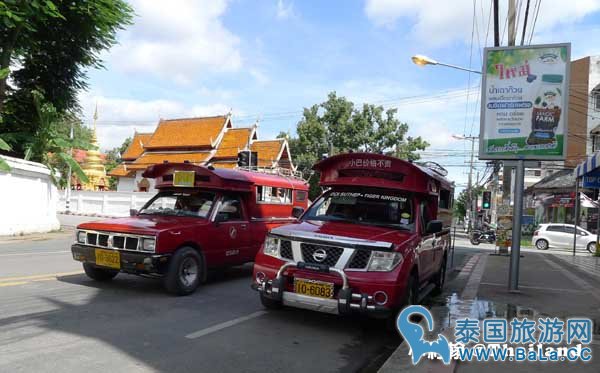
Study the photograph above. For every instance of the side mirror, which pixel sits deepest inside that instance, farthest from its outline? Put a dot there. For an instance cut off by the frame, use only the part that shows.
(434, 226)
(297, 212)
(133, 212)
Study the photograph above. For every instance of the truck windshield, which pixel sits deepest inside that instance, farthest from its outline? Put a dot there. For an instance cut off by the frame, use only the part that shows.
(373, 208)
(180, 204)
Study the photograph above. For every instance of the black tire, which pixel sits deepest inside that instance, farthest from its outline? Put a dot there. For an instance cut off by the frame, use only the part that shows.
(99, 274)
(591, 247)
(542, 244)
(440, 277)
(474, 241)
(185, 271)
(270, 304)
(411, 295)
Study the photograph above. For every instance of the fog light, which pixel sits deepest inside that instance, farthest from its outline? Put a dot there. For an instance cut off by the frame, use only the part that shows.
(260, 277)
(380, 298)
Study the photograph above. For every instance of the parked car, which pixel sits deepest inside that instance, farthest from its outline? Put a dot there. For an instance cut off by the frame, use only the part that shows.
(202, 218)
(561, 236)
(375, 241)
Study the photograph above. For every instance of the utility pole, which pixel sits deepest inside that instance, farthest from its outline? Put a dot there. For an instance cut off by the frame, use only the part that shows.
(496, 25)
(512, 27)
(68, 191)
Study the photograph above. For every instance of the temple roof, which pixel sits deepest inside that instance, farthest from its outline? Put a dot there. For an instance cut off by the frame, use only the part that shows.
(234, 140)
(120, 171)
(136, 148)
(148, 159)
(188, 132)
(268, 151)
(79, 155)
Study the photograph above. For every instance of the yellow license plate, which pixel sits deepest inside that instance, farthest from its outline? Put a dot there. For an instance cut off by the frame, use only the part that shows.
(108, 258)
(313, 288)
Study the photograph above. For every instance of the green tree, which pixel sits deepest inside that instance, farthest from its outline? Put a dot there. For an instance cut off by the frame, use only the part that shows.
(336, 126)
(462, 201)
(55, 43)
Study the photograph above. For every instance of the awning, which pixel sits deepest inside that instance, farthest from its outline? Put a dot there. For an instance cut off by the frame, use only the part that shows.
(591, 163)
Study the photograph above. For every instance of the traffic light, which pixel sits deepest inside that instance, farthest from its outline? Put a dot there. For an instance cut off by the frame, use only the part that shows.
(244, 158)
(487, 200)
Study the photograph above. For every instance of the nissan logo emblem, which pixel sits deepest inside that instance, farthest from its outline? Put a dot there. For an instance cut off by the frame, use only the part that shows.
(320, 255)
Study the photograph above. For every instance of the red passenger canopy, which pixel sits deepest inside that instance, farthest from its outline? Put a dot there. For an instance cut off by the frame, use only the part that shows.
(379, 171)
(219, 178)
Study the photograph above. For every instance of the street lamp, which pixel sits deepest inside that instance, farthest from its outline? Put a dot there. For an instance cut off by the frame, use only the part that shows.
(421, 60)
(470, 182)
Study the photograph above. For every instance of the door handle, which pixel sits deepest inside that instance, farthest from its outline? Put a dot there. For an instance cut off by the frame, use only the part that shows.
(244, 226)
(175, 233)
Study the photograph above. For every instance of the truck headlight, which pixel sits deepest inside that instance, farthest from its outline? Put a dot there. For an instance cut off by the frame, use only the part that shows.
(383, 261)
(148, 244)
(80, 237)
(271, 246)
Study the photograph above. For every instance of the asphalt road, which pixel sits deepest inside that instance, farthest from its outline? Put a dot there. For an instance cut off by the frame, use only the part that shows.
(53, 318)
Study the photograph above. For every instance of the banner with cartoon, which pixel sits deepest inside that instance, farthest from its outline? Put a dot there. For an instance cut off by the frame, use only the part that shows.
(525, 94)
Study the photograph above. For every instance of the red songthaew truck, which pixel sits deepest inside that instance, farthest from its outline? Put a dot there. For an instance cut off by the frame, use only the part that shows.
(375, 240)
(201, 218)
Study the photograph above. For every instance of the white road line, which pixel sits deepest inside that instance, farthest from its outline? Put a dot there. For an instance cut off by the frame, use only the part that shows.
(224, 325)
(36, 252)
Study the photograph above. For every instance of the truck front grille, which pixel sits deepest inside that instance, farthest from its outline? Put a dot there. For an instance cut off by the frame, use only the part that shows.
(131, 243)
(360, 259)
(118, 242)
(103, 240)
(332, 254)
(92, 238)
(286, 250)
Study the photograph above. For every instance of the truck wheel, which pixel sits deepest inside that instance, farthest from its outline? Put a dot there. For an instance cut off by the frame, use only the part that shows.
(270, 304)
(411, 294)
(99, 274)
(184, 272)
(440, 277)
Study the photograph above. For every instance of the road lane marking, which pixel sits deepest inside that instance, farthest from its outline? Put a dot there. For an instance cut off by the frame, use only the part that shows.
(36, 252)
(14, 283)
(38, 277)
(224, 325)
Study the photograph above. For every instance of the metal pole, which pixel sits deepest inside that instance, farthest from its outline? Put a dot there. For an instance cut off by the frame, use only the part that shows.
(470, 186)
(512, 27)
(597, 222)
(576, 218)
(68, 191)
(459, 68)
(454, 242)
(496, 25)
(515, 252)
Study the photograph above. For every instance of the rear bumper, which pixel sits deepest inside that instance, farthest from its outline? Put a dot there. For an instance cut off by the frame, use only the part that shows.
(347, 300)
(131, 262)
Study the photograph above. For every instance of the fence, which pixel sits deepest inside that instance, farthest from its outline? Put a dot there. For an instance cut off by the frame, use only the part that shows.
(107, 203)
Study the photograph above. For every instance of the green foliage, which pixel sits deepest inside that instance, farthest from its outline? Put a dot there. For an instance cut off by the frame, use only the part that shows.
(336, 126)
(462, 201)
(55, 43)
(113, 159)
(3, 165)
(49, 145)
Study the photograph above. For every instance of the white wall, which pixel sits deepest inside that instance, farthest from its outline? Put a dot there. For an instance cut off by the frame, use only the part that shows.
(130, 184)
(28, 199)
(108, 203)
(593, 119)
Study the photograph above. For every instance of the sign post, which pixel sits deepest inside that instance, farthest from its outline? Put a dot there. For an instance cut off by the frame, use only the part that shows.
(524, 101)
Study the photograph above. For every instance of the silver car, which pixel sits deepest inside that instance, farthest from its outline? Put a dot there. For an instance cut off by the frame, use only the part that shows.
(561, 236)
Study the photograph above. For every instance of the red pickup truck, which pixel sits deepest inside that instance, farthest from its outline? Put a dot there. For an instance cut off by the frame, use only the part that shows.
(375, 240)
(201, 218)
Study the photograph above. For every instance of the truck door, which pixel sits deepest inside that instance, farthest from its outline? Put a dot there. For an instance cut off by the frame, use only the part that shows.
(232, 230)
(428, 244)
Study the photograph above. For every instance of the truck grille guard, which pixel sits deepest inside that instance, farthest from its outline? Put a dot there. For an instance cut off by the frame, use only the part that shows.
(347, 301)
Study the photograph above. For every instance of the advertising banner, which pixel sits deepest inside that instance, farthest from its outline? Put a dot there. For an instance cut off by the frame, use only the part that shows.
(524, 97)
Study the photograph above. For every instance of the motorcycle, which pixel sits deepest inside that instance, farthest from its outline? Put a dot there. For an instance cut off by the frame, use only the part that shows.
(478, 237)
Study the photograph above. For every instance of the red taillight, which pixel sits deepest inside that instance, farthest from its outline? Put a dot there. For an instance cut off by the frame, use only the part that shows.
(536, 233)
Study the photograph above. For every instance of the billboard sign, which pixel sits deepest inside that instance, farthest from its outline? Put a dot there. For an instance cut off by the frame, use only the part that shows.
(524, 102)
(591, 180)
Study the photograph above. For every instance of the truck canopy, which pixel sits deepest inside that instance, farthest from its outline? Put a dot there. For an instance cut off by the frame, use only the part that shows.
(379, 171)
(218, 178)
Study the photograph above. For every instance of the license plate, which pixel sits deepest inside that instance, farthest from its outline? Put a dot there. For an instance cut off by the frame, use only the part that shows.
(108, 258)
(313, 288)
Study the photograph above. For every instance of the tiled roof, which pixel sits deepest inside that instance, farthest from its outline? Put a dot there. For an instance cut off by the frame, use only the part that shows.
(136, 148)
(229, 165)
(267, 151)
(186, 133)
(120, 171)
(561, 179)
(148, 159)
(234, 140)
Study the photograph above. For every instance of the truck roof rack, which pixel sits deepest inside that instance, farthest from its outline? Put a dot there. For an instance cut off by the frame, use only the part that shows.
(435, 167)
(279, 171)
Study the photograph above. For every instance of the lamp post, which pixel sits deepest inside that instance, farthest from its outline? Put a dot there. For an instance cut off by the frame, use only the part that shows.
(421, 60)
(470, 182)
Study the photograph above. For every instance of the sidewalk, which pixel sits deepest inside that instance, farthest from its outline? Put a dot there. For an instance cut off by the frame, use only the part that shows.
(549, 286)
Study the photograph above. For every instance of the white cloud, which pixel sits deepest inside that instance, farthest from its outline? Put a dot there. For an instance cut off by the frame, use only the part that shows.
(437, 22)
(119, 118)
(261, 78)
(284, 11)
(178, 39)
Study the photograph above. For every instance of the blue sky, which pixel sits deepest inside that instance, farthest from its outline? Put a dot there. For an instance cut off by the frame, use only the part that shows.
(268, 59)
